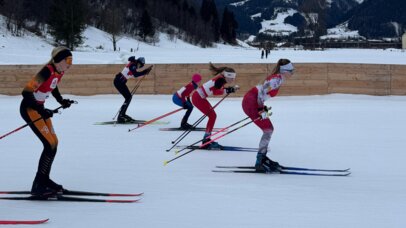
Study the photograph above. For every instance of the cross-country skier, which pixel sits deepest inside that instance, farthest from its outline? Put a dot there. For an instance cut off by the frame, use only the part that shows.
(32, 108)
(182, 99)
(120, 82)
(214, 86)
(253, 105)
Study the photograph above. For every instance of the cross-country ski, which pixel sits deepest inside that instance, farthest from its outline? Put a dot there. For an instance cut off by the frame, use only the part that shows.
(70, 199)
(76, 193)
(23, 222)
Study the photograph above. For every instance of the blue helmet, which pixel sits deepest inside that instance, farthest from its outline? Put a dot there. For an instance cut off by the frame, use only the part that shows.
(141, 60)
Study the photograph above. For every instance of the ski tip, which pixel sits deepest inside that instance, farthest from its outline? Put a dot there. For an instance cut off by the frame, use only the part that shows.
(122, 201)
(165, 163)
(126, 194)
(176, 152)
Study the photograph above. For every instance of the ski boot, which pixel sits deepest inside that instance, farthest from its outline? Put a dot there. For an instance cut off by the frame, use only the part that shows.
(212, 145)
(122, 119)
(215, 146)
(57, 187)
(186, 126)
(264, 164)
(129, 118)
(41, 189)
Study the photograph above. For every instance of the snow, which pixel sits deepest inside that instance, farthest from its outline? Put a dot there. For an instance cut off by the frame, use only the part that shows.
(341, 31)
(364, 133)
(240, 3)
(277, 26)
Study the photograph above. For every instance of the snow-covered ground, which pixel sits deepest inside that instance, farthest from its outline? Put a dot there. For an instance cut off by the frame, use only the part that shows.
(364, 133)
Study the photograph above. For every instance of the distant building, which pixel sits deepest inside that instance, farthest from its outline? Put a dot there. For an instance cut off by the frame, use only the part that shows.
(404, 41)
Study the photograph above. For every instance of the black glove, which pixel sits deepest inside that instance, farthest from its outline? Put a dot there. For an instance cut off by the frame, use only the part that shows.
(148, 70)
(230, 90)
(66, 103)
(263, 109)
(46, 113)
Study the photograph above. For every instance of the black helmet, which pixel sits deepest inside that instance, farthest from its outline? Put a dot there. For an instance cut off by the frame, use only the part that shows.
(141, 60)
(131, 59)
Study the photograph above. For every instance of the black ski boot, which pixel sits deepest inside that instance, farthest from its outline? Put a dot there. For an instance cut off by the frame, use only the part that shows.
(57, 187)
(264, 164)
(186, 126)
(40, 188)
(125, 119)
(212, 145)
(129, 118)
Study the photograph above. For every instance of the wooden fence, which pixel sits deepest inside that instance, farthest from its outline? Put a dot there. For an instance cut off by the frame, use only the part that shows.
(309, 78)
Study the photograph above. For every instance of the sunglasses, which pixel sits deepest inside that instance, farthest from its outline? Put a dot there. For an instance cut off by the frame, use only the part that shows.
(69, 60)
(290, 71)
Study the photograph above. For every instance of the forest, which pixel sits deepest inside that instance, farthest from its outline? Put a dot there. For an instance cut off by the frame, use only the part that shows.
(196, 22)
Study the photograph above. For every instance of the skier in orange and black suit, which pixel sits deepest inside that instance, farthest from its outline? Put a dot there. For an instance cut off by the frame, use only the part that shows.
(32, 108)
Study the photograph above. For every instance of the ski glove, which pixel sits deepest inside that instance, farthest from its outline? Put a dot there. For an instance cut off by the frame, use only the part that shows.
(264, 115)
(46, 113)
(230, 90)
(264, 112)
(146, 71)
(66, 103)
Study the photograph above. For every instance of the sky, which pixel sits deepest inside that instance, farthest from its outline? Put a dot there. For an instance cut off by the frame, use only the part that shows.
(336, 131)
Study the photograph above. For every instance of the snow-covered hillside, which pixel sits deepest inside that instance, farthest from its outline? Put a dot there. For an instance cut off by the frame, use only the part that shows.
(98, 49)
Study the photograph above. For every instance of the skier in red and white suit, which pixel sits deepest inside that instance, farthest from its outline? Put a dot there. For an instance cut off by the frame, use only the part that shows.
(215, 86)
(253, 105)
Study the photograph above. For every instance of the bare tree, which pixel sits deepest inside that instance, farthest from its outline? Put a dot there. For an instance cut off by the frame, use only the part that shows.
(113, 20)
(15, 14)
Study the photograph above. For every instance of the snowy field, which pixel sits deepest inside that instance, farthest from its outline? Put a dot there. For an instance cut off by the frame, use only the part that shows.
(364, 133)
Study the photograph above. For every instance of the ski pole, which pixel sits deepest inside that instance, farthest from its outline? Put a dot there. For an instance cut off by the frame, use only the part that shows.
(185, 133)
(198, 121)
(25, 125)
(221, 136)
(157, 118)
(221, 130)
(232, 125)
(269, 114)
(193, 149)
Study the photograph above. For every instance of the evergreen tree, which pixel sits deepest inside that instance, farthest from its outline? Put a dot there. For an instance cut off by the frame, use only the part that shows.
(113, 21)
(145, 25)
(228, 27)
(208, 12)
(67, 22)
